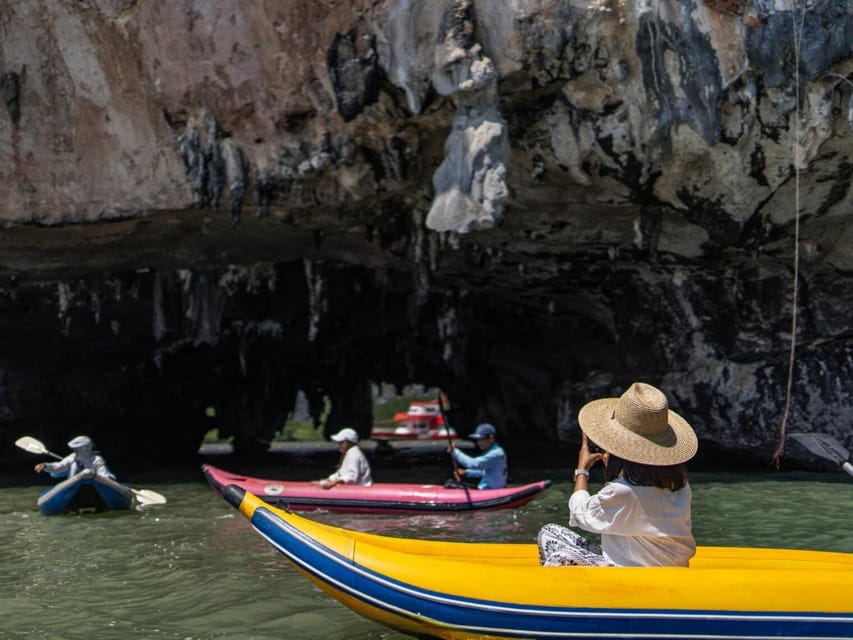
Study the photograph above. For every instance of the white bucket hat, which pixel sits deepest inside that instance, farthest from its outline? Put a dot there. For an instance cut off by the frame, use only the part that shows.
(346, 434)
(80, 442)
(639, 427)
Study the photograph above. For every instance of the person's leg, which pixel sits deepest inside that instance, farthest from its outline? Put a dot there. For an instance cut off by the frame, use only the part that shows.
(561, 547)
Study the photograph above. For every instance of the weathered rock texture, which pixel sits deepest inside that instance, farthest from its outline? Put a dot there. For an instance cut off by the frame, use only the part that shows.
(530, 203)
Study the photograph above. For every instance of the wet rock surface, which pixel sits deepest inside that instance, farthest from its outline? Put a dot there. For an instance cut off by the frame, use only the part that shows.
(528, 205)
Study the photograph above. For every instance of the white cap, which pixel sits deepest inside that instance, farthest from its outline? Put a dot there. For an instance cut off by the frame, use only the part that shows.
(80, 442)
(346, 434)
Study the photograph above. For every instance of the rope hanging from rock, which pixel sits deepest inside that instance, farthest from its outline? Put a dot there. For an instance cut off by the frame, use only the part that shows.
(798, 38)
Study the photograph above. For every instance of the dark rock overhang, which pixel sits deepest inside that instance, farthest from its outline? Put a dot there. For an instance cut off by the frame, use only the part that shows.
(527, 219)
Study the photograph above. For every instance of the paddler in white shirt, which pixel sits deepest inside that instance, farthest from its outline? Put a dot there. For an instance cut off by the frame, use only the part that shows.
(354, 467)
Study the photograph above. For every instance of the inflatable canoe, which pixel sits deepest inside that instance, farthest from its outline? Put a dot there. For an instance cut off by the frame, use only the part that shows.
(85, 492)
(495, 591)
(377, 498)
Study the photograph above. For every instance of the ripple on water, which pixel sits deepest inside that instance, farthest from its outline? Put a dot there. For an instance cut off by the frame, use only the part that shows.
(194, 569)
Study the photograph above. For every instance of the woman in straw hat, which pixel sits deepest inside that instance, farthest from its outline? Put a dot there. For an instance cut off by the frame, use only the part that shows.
(643, 511)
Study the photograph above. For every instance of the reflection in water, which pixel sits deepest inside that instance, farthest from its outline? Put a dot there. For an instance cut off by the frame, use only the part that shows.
(483, 526)
(194, 569)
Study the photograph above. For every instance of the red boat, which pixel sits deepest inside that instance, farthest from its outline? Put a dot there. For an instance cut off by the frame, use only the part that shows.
(423, 421)
(382, 497)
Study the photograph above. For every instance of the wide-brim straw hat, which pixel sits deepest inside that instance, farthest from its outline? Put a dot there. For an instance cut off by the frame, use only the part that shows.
(639, 427)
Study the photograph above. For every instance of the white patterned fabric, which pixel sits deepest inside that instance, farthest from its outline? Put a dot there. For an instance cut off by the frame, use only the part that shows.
(562, 547)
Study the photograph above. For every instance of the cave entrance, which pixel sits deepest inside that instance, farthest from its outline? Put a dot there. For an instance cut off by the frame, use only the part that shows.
(397, 414)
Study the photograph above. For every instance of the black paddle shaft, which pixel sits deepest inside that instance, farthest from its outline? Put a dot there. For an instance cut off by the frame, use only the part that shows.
(447, 433)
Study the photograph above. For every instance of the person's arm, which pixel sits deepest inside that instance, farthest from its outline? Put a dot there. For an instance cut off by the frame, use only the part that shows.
(612, 510)
(331, 481)
(584, 509)
(471, 474)
(478, 463)
(466, 464)
(586, 460)
(100, 467)
(347, 473)
(56, 469)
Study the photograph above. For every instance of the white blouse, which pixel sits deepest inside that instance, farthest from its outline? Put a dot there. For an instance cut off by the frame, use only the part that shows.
(639, 526)
(354, 469)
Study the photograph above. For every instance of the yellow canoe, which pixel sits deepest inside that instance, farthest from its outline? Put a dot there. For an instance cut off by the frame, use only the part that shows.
(459, 590)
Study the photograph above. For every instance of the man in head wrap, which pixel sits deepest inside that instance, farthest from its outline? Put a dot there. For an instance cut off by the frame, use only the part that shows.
(83, 457)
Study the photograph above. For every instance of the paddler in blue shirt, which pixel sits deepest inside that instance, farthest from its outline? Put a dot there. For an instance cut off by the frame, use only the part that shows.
(489, 467)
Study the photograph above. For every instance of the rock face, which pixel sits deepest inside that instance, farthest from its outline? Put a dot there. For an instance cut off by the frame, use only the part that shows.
(527, 203)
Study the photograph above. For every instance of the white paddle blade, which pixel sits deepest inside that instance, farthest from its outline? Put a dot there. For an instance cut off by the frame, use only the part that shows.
(30, 444)
(823, 445)
(146, 497)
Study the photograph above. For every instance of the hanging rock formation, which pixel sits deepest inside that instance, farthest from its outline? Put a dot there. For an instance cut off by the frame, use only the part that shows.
(529, 204)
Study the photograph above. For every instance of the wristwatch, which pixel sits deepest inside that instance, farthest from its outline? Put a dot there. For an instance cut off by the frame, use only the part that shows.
(580, 472)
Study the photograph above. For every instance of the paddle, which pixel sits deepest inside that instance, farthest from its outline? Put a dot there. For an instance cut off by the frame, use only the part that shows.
(452, 457)
(825, 446)
(144, 497)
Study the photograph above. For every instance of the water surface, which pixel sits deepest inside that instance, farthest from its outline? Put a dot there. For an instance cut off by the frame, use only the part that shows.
(194, 569)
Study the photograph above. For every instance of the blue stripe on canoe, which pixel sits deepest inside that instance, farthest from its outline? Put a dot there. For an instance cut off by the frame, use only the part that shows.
(506, 620)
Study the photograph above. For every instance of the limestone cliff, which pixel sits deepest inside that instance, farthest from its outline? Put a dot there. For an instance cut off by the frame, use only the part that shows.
(530, 203)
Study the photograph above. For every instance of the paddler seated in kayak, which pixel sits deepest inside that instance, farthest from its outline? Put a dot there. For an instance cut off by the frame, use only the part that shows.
(83, 457)
(353, 467)
(489, 468)
(643, 511)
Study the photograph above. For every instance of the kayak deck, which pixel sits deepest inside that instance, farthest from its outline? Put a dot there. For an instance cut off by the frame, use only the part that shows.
(376, 498)
(85, 492)
(456, 590)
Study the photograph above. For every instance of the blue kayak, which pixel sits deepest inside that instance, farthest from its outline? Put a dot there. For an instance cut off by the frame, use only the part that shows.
(85, 492)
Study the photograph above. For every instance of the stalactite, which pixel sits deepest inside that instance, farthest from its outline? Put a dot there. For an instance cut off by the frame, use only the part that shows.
(448, 329)
(159, 317)
(207, 311)
(189, 146)
(317, 304)
(264, 192)
(95, 305)
(64, 297)
(206, 163)
(116, 286)
(204, 331)
(242, 350)
(420, 256)
(237, 176)
(215, 173)
(186, 278)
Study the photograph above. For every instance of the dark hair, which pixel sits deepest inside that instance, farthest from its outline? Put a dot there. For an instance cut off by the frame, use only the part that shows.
(672, 477)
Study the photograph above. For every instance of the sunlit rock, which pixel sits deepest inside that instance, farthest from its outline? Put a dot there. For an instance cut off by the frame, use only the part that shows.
(527, 203)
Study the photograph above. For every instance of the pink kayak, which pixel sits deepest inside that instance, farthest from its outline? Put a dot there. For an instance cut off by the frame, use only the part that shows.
(382, 497)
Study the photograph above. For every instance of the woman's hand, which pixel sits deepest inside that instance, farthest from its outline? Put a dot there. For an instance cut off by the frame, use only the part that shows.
(586, 459)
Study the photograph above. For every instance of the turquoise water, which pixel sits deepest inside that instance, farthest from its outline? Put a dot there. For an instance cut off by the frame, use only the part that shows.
(193, 569)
